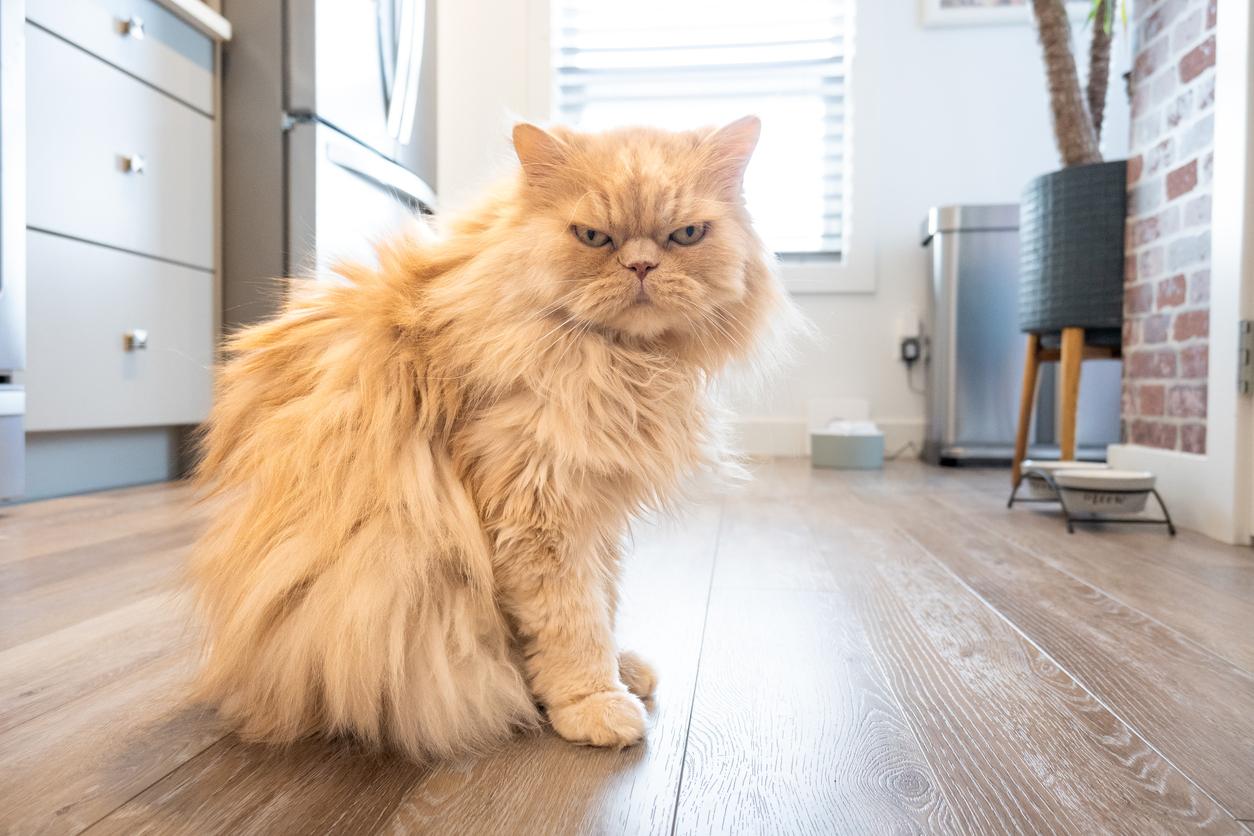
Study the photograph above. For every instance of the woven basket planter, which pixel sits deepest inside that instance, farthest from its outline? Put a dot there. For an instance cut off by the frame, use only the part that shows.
(1071, 236)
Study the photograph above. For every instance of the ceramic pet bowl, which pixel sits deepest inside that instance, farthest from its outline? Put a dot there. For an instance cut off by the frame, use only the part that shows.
(1105, 491)
(1038, 487)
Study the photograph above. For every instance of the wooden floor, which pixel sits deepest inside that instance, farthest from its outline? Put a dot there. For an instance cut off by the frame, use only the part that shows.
(888, 652)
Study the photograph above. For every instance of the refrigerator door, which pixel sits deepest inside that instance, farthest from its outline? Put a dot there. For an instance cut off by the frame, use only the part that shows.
(12, 187)
(365, 68)
(343, 197)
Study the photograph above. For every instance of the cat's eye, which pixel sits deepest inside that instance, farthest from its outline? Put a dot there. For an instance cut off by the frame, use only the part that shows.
(589, 236)
(688, 235)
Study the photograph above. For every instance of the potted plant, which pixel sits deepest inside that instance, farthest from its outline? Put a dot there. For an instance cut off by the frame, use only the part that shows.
(1072, 220)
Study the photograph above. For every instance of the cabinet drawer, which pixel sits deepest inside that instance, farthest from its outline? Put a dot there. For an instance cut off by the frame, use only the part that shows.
(89, 127)
(140, 37)
(82, 301)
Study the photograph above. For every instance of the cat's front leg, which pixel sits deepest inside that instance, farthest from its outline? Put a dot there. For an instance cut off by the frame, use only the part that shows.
(564, 622)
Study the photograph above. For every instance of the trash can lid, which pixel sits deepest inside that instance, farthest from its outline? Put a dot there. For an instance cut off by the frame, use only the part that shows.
(972, 217)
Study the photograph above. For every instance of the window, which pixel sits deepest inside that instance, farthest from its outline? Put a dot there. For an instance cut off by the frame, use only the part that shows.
(707, 62)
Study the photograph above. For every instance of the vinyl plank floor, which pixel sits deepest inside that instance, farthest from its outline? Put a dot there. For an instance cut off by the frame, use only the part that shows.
(1147, 673)
(1017, 744)
(861, 652)
(536, 784)
(1152, 574)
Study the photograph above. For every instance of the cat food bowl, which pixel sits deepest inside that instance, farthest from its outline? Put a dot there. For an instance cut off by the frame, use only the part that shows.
(1035, 472)
(1105, 491)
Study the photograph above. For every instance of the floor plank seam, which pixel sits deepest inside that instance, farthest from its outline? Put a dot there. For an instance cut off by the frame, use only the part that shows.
(158, 780)
(1017, 629)
(78, 697)
(1113, 597)
(696, 675)
(887, 679)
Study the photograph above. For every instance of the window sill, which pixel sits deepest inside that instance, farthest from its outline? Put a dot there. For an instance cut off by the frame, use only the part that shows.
(818, 276)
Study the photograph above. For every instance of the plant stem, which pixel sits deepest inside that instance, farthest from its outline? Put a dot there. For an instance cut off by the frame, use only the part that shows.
(1073, 127)
(1099, 65)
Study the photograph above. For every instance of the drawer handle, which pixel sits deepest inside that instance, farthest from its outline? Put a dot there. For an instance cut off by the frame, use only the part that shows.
(135, 340)
(133, 27)
(133, 163)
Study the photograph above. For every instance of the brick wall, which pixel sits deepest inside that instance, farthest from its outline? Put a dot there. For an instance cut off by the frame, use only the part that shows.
(1167, 292)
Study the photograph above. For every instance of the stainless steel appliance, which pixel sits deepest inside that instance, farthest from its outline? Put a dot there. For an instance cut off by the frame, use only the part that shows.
(12, 247)
(328, 137)
(975, 348)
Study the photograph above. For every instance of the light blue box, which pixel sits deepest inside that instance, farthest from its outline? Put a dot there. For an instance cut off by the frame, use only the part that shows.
(846, 452)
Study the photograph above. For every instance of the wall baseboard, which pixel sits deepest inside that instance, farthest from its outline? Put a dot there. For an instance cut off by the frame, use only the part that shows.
(791, 436)
(1183, 484)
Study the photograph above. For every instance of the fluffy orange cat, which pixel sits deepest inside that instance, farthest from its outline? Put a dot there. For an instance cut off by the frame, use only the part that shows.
(421, 475)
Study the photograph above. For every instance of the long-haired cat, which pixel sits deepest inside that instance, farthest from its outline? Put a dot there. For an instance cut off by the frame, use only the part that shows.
(420, 476)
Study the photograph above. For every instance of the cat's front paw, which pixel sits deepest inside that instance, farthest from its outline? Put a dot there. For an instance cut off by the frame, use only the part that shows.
(606, 718)
(637, 674)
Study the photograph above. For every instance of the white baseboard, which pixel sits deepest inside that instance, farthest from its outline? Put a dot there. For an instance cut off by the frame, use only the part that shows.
(791, 436)
(1184, 484)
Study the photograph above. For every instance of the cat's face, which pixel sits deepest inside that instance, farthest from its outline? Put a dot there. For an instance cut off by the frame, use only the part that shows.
(642, 232)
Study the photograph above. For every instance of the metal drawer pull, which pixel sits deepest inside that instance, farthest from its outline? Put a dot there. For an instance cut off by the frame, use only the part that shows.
(133, 27)
(136, 340)
(133, 163)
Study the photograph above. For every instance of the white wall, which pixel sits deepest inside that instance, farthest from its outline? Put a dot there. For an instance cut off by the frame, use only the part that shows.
(960, 116)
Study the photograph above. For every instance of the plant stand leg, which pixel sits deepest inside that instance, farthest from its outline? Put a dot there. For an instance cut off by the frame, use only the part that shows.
(1010, 503)
(1162, 506)
(1027, 398)
(1069, 363)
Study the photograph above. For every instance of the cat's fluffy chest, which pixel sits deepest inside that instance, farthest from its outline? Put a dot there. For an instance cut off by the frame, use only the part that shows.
(598, 416)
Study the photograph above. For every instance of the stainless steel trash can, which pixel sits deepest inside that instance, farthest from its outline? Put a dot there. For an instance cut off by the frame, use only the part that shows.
(975, 348)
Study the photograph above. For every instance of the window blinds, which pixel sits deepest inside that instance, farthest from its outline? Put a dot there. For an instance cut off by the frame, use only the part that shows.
(689, 64)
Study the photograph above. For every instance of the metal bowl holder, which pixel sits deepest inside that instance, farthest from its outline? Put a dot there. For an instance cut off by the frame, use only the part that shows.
(1072, 518)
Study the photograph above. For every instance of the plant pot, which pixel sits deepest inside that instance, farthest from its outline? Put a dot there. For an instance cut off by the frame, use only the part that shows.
(1071, 236)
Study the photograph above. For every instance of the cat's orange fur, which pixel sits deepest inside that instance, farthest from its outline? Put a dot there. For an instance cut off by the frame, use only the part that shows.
(421, 476)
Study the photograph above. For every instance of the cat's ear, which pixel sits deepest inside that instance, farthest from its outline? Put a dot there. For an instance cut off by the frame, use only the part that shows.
(538, 151)
(732, 146)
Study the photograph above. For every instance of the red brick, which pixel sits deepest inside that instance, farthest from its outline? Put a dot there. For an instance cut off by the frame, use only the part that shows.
(1159, 19)
(1149, 59)
(1182, 180)
(1197, 60)
(1154, 434)
(1130, 333)
(1199, 287)
(1191, 324)
(1185, 33)
(1129, 269)
(1138, 299)
(1145, 231)
(1172, 292)
(1150, 399)
(1193, 438)
(1180, 108)
(1206, 93)
(1135, 166)
(1150, 263)
(1149, 364)
(1197, 212)
(1187, 401)
(1160, 156)
(1154, 329)
(1212, 14)
(1195, 361)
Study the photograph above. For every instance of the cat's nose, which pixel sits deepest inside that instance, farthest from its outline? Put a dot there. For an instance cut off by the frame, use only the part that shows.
(642, 268)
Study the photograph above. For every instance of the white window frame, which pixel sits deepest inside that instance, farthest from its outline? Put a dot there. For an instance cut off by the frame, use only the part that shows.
(855, 270)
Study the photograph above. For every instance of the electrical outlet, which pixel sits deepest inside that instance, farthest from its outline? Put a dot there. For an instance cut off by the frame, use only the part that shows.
(911, 349)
